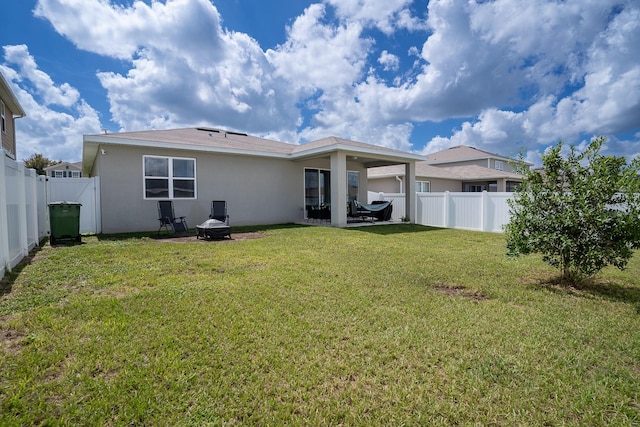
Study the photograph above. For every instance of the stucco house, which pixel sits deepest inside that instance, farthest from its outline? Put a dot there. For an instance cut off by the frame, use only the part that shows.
(263, 181)
(460, 169)
(10, 109)
(64, 170)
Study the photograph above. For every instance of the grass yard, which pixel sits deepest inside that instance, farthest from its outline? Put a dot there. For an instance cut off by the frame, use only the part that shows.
(388, 325)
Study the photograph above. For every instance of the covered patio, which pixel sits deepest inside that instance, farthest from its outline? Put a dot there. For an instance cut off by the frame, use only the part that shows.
(343, 158)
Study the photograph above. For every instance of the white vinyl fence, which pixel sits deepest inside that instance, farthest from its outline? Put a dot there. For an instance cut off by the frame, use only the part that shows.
(469, 211)
(83, 190)
(24, 212)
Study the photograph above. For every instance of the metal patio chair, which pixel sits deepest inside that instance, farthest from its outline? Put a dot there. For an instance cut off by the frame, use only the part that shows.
(168, 218)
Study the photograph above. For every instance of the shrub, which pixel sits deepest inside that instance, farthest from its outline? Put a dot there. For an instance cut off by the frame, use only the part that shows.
(581, 212)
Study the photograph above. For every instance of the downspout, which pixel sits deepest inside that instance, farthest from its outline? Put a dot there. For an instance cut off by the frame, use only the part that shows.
(400, 181)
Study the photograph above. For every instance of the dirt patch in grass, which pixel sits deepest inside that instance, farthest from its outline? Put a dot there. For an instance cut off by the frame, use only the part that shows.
(460, 291)
(235, 237)
(10, 339)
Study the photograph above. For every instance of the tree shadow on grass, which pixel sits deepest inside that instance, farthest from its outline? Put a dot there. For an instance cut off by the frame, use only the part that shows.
(6, 282)
(593, 288)
(387, 229)
(192, 232)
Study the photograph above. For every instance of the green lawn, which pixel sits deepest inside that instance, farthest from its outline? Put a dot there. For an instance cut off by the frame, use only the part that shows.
(388, 325)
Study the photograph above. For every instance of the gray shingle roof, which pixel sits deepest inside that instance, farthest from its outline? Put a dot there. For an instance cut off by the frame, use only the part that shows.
(212, 139)
(461, 153)
(204, 137)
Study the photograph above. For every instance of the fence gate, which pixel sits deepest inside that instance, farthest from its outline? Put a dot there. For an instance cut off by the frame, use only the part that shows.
(82, 190)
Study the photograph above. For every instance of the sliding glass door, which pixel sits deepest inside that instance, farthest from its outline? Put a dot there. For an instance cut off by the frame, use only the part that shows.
(317, 188)
(353, 185)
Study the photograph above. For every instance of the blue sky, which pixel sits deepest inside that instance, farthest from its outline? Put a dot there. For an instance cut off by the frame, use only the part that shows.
(505, 75)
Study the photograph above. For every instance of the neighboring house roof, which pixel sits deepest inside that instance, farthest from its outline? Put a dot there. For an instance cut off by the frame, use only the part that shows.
(222, 141)
(461, 153)
(63, 166)
(7, 96)
(471, 172)
(424, 169)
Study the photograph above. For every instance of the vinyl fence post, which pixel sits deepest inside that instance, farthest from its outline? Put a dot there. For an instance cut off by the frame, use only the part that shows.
(484, 217)
(447, 201)
(97, 208)
(22, 209)
(4, 226)
(32, 181)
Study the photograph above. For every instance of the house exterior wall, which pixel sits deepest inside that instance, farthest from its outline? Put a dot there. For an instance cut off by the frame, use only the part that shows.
(258, 190)
(391, 184)
(384, 185)
(65, 170)
(507, 165)
(439, 185)
(478, 162)
(9, 135)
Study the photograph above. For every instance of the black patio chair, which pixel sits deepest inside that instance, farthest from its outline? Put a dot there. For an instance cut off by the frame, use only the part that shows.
(219, 211)
(217, 227)
(168, 218)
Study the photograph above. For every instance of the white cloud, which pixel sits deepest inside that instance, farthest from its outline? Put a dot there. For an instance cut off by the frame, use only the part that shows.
(386, 15)
(179, 26)
(185, 69)
(63, 95)
(346, 113)
(521, 74)
(320, 55)
(389, 61)
(482, 56)
(607, 102)
(56, 115)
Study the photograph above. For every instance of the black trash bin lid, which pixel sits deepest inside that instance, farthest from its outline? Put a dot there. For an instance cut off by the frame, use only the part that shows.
(65, 203)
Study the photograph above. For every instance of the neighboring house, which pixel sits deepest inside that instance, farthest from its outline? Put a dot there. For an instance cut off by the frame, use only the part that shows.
(10, 109)
(459, 168)
(64, 170)
(263, 181)
(463, 155)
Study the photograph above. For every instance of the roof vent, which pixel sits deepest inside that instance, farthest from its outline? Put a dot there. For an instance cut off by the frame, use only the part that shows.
(226, 132)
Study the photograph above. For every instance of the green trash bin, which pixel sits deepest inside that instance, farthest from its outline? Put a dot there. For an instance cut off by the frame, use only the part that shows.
(64, 221)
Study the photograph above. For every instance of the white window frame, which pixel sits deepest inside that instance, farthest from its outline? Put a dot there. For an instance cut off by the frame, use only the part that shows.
(58, 174)
(499, 165)
(170, 178)
(420, 185)
(3, 117)
(75, 174)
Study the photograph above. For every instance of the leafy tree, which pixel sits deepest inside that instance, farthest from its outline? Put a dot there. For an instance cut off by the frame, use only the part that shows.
(581, 212)
(39, 163)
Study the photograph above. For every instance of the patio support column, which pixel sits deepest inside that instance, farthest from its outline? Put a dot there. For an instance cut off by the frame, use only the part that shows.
(410, 191)
(338, 189)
